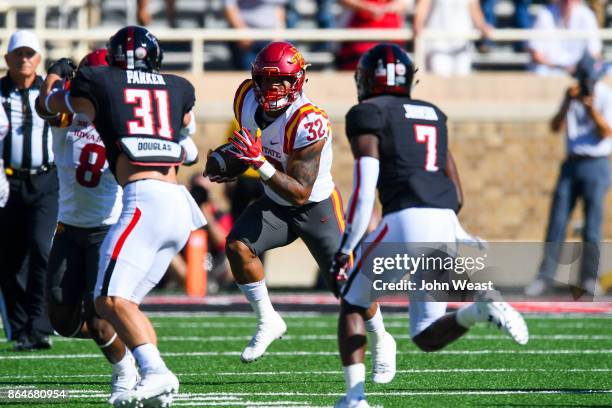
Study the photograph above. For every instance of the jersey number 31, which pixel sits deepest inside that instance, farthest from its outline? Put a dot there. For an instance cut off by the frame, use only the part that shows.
(143, 112)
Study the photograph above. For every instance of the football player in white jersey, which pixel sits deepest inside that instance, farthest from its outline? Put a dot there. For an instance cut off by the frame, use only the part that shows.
(288, 140)
(89, 203)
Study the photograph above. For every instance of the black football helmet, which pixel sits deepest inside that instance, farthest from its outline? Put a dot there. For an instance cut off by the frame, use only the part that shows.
(385, 69)
(134, 47)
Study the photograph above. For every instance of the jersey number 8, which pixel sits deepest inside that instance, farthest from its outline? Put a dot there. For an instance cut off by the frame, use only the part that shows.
(88, 172)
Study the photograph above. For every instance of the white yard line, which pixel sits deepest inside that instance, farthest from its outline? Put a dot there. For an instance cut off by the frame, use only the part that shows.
(331, 337)
(232, 395)
(334, 372)
(315, 353)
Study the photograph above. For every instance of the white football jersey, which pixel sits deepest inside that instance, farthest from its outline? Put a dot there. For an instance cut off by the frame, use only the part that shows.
(300, 125)
(89, 196)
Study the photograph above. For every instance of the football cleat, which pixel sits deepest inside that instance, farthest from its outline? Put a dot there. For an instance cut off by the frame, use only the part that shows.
(123, 380)
(383, 358)
(504, 316)
(154, 390)
(346, 402)
(537, 288)
(267, 331)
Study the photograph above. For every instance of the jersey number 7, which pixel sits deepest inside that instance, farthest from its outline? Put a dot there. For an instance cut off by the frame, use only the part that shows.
(428, 135)
(143, 112)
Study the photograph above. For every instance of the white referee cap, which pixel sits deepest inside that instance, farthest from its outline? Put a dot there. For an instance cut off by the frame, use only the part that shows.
(23, 38)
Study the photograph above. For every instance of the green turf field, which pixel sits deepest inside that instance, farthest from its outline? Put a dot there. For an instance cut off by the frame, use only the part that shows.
(568, 362)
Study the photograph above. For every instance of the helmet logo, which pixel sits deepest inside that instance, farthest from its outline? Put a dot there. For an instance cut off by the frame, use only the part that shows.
(400, 69)
(297, 57)
(140, 53)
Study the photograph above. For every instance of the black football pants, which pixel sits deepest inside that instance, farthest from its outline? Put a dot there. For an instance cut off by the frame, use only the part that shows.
(27, 224)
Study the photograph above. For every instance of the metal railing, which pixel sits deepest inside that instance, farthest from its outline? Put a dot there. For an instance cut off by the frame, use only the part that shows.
(86, 38)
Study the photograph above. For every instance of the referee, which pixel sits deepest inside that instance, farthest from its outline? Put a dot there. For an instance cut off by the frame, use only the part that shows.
(27, 222)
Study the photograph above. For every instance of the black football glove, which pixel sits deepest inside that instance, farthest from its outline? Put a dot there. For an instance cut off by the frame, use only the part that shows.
(64, 67)
(337, 272)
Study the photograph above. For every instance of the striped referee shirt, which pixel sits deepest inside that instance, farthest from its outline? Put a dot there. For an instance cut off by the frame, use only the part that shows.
(28, 143)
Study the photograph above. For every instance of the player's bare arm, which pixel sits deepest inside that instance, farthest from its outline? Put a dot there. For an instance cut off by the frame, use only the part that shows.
(296, 185)
(453, 174)
(57, 102)
(365, 145)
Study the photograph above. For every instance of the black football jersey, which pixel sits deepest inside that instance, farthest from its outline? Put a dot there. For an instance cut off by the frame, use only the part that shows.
(413, 144)
(134, 103)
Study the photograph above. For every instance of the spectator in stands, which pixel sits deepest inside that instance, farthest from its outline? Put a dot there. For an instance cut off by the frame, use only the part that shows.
(521, 19)
(559, 56)
(599, 8)
(451, 56)
(586, 115)
(29, 218)
(219, 225)
(368, 14)
(268, 14)
(324, 18)
(144, 17)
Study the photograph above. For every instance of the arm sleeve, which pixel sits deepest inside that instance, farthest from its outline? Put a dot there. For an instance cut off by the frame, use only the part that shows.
(185, 140)
(365, 118)
(82, 86)
(191, 150)
(361, 203)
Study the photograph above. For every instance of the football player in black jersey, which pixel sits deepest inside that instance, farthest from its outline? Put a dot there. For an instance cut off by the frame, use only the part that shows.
(400, 146)
(140, 115)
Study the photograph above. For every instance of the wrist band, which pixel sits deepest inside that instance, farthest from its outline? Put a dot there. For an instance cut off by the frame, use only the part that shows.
(67, 102)
(108, 343)
(266, 171)
(53, 91)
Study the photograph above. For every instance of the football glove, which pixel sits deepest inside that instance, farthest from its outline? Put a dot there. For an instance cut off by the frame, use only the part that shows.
(63, 67)
(338, 272)
(249, 148)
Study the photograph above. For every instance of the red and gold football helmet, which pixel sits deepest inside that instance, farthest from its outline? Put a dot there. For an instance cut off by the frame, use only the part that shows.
(94, 58)
(278, 59)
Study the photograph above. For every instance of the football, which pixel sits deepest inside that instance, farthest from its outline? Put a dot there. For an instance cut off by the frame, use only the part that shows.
(222, 163)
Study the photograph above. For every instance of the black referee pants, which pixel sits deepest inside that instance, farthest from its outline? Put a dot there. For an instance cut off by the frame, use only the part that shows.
(27, 224)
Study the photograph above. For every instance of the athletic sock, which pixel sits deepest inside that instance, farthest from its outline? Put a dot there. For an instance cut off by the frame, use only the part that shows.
(257, 295)
(354, 377)
(125, 364)
(376, 323)
(149, 360)
(468, 315)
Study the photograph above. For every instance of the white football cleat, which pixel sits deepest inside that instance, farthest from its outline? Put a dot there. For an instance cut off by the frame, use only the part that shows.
(267, 331)
(383, 358)
(123, 380)
(154, 390)
(346, 402)
(504, 316)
